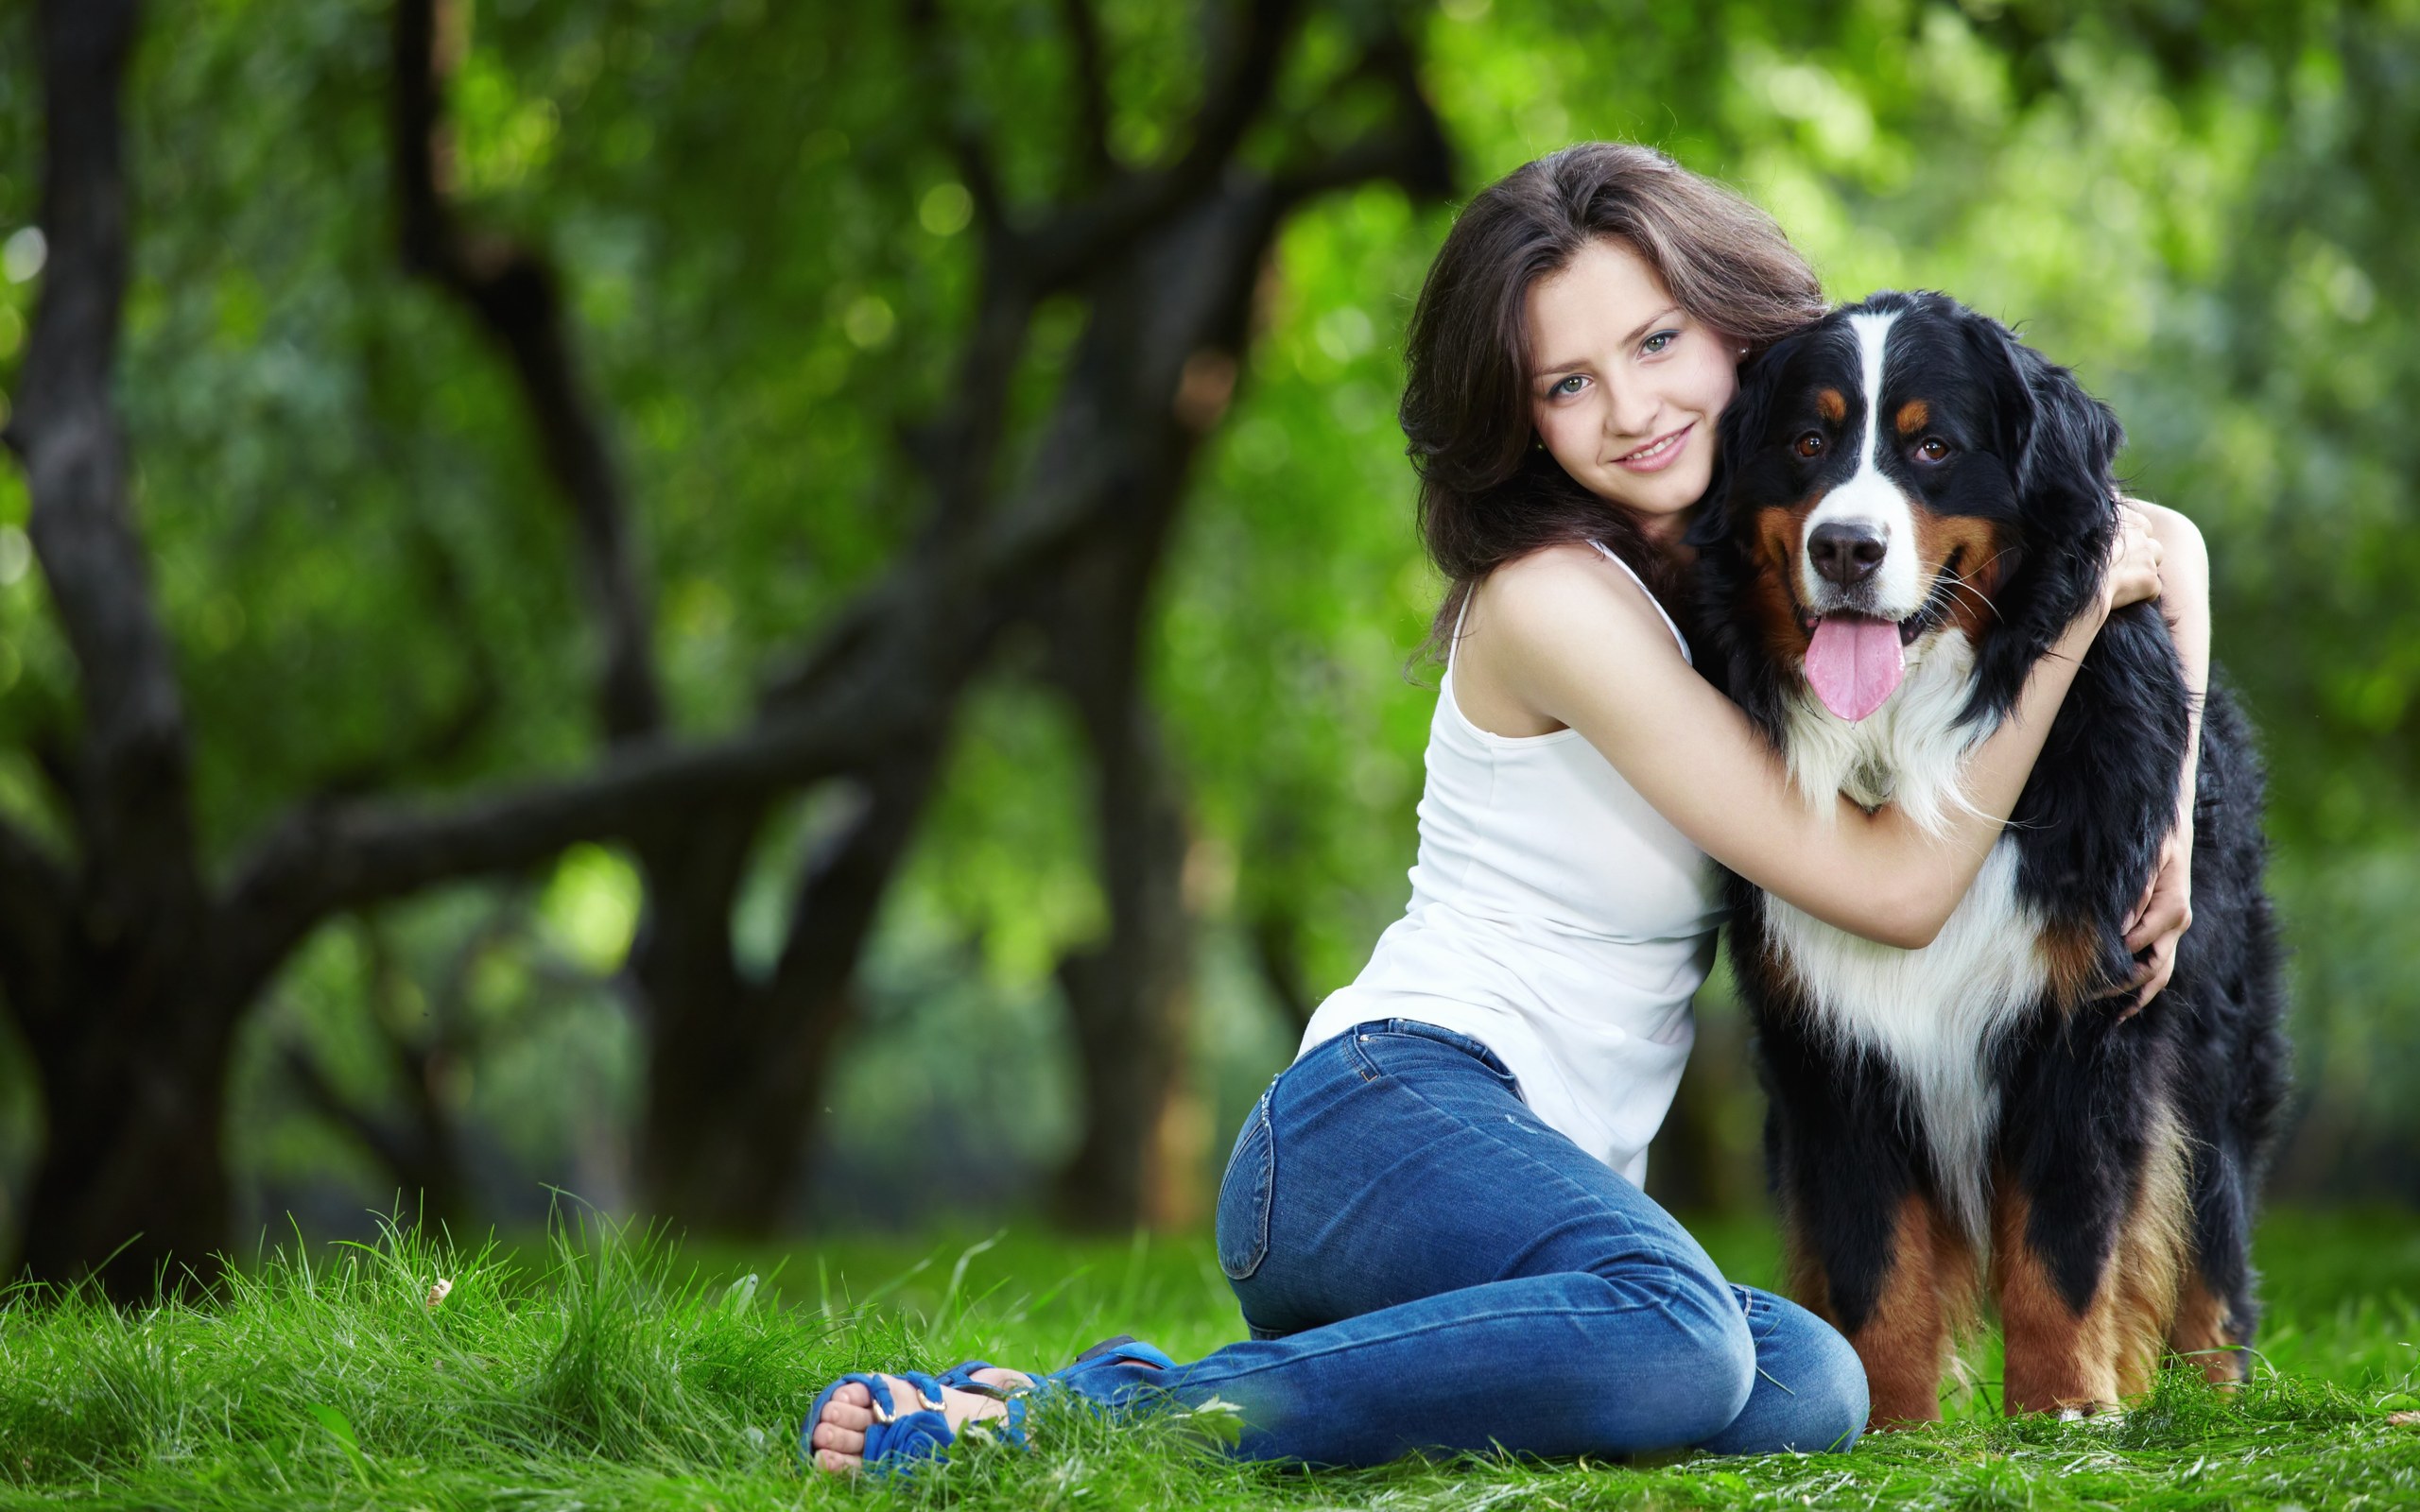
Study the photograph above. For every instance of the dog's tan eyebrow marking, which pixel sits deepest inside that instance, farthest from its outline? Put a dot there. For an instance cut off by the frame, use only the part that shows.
(1834, 406)
(1914, 416)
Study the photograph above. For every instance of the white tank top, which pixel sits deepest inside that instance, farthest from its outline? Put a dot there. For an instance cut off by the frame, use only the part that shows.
(1556, 918)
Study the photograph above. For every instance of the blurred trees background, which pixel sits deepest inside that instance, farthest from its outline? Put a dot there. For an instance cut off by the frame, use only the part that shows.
(794, 613)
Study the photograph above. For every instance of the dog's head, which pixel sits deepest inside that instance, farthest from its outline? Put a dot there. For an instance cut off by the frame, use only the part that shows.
(1903, 472)
(1907, 506)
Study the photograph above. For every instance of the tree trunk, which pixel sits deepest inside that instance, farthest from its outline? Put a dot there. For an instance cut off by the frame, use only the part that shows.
(133, 1171)
(737, 1076)
(1154, 371)
(1130, 999)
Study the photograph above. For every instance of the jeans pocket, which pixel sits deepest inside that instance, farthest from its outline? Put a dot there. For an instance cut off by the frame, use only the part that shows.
(1244, 1196)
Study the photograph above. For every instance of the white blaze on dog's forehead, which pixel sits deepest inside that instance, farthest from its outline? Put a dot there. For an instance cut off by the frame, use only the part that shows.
(1873, 340)
(1869, 497)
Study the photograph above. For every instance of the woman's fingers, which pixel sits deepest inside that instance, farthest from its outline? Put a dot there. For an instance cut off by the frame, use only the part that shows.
(2160, 919)
(2151, 975)
(2165, 910)
(2166, 907)
(2135, 559)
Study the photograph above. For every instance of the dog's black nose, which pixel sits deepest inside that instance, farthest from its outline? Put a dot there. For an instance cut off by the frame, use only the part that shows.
(1847, 551)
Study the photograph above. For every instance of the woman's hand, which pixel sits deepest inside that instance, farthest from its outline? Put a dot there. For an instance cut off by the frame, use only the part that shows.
(2165, 909)
(2161, 917)
(2134, 556)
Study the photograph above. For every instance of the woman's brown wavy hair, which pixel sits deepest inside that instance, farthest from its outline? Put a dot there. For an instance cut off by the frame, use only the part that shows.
(1488, 493)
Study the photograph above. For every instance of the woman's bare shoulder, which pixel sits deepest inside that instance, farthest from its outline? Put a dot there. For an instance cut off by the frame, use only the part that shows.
(1564, 599)
(1542, 621)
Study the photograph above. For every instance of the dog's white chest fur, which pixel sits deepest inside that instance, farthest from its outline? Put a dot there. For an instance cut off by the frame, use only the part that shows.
(1934, 1014)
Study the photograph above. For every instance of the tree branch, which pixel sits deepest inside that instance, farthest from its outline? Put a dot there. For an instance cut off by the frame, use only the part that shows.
(1071, 245)
(1067, 251)
(1412, 148)
(1275, 937)
(843, 884)
(1091, 89)
(391, 1148)
(328, 858)
(515, 295)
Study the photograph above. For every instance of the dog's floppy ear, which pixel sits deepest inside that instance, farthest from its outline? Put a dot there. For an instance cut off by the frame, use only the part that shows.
(2065, 440)
(1743, 426)
(2058, 443)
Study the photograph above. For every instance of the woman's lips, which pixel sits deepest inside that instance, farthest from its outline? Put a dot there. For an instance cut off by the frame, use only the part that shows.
(1658, 453)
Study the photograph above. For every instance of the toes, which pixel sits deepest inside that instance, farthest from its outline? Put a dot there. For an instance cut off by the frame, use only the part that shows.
(850, 1411)
(832, 1435)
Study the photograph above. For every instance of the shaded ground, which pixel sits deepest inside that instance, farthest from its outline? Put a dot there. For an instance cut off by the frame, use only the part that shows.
(612, 1374)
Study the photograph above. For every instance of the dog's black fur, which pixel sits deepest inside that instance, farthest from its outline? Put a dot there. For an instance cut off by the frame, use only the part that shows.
(2080, 1084)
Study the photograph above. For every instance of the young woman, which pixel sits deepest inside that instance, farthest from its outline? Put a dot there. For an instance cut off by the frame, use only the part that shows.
(1432, 1218)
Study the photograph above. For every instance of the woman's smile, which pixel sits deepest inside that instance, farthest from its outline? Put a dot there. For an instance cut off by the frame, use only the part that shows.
(1658, 453)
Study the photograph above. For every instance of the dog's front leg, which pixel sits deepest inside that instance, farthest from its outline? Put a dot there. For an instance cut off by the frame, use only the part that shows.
(1870, 1249)
(1911, 1305)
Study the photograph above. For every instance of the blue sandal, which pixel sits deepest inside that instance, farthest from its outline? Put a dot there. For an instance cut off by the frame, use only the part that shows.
(895, 1440)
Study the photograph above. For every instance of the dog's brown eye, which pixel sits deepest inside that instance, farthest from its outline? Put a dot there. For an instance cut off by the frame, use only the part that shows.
(1933, 449)
(1810, 444)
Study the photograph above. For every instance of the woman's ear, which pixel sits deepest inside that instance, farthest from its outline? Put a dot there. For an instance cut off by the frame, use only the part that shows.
(1741, 430)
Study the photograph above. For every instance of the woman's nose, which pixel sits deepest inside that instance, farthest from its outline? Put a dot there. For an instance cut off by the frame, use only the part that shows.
(1630, 410)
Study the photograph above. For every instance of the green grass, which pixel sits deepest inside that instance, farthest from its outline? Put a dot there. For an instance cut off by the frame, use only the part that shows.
(603, 1371)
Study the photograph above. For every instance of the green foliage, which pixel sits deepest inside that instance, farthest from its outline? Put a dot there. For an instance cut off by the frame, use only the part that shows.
(607, 1369)
(769, 249)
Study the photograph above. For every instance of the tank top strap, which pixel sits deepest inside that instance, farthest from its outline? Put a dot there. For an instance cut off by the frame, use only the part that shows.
(1460, 614)
(1614, 557)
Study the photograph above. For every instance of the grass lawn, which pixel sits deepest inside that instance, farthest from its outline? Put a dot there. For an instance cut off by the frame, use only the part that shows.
(612, 1373)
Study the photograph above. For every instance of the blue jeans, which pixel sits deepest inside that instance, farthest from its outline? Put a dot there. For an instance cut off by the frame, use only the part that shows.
(1425, 1266)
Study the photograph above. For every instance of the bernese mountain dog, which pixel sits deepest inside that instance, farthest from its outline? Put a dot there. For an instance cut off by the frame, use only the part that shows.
(1909, 507)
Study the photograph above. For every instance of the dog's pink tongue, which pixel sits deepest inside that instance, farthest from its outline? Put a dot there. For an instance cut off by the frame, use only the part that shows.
(1853, 664)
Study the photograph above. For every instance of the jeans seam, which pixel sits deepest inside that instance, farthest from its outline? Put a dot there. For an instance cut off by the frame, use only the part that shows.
(1451, 1039)
(1265, 1199)
(1358, 1059)
(1499, 1316)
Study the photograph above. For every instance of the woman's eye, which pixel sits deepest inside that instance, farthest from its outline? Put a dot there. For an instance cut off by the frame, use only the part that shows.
(1570, 387)
(1933, 449)
(1810, 444)
(1659, 341)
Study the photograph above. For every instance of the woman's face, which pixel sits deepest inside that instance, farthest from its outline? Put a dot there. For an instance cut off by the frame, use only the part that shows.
(1625, 386)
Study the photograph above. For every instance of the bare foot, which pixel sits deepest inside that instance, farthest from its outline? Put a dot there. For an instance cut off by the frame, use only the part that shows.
(840, 1436)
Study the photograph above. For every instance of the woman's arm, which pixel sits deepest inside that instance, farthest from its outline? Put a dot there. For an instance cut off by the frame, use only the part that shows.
(1561, 620)
(2166, 911)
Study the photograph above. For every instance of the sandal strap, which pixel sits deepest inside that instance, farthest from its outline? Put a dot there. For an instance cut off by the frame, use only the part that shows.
(929, 1395)
(1122, 1349)
(960, 1377)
